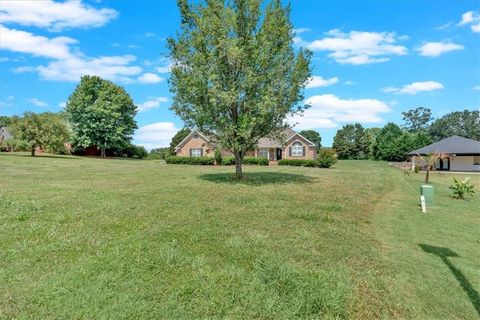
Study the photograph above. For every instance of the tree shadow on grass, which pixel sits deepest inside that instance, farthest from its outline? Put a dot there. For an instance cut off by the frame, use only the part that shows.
(39, 156)
(257, 178)
(444, 254)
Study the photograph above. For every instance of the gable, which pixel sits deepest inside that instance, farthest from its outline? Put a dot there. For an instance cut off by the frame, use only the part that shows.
(193, 135)
(298, 137)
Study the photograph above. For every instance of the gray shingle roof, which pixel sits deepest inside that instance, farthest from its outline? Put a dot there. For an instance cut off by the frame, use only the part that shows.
(275, 142)
(5, 133)
(452, 145)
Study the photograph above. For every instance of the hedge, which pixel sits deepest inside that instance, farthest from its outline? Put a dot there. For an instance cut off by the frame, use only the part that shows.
(190, 160)
(227, 161)
(299, 163)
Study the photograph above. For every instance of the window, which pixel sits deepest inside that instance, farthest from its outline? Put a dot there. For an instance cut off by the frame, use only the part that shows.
(197, 152)
(195, 136)
(297, 149)
(263, 153)
(476, 160)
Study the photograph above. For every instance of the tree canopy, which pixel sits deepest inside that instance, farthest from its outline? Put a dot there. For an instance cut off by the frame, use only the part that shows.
(352, 142)
(177, 138)
(101, 114)
(461, 123)
(417, 119)
(235, 73)
(313, 136)
(5, 121)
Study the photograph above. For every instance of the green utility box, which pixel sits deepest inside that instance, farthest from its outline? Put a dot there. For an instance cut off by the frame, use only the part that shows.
(427, 191)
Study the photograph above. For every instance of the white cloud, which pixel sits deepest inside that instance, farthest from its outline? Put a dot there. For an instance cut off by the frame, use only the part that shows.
(301, 30)
(25, 42)
(62, 105)
(37, 102)
(415, 87)
(476, 87)
(327, 110)
(434, 49)
(471, 18)
(318, 81)
(165, 69)
(158, 134)
(54, 16)
(149, 78)
(151, 103)
(349, 83)
(358, 47)
(149, 34)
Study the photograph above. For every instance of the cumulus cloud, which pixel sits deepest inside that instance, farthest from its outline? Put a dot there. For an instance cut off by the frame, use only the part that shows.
(54, 16)
(149, 78)
(37, 102)
(62, 105)
(472, 19)
(415, 87)
(318, 81)
(358, 47)
(434, 49)
(158, 134)
(328, 110)
(476, 87)
(151, 103)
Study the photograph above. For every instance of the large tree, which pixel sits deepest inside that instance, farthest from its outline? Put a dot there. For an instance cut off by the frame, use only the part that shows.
(461, 123)
(101, 114)
(46, 130)
(313, 136)
(177, 138)
(5, 121)
(417, 119)
(236, 75)
(351, 142)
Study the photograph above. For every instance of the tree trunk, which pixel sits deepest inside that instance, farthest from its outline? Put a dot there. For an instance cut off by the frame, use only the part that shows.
(238, 164)
(33, 152)
(102, 152)
(427, 175)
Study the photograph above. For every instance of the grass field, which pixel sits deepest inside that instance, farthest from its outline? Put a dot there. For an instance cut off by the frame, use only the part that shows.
(91, 238)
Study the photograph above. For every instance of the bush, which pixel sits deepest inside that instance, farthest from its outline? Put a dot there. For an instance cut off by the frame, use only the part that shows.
(255, 161)
(132, 151)
(228, 161)
(218, 156)
(416, 168)
(158, 154)
(190, 160)
(462, 188)
(326, 158)
(299, 163)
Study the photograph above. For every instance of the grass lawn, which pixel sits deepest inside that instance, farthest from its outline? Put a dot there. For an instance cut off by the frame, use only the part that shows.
(91, 238)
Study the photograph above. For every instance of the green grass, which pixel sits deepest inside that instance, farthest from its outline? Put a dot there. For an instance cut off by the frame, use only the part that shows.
(91, 238)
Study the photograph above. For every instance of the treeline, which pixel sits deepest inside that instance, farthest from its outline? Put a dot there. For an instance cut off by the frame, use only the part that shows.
(393, 143)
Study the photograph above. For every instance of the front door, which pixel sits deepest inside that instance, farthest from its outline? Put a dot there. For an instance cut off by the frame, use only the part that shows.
(443, 165)
(279, 154)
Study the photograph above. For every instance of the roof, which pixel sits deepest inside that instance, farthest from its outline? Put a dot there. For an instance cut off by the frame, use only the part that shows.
(452, 145)
(189, 136)
(5, 133)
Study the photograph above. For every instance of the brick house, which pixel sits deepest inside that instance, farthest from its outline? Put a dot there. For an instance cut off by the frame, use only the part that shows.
(291, 145)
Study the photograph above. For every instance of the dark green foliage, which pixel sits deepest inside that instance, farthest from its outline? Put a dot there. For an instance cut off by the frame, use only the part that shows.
(177, 138)
(326, 158)
(461, 123)
(133, 151)
(218, 156)
(5, 121)
(228, 161)
(101, 114)
(256, 161)
(461, 189)
(158, 154)
(313, 136)
(352, 142)
(299, 163)
(417, 119)
(190, 160)
(236, 75)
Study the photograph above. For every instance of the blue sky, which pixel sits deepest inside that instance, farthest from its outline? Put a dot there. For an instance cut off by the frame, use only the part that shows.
(372, 59)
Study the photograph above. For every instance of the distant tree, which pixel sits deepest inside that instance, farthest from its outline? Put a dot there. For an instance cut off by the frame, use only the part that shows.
(461, 123)
(177, 138)
(236, 75)
(417, 119)
(371, 134)
(101, 114)
(46, 130)
(159, 153)
(313, 136)
(5, 121)
(351, 142)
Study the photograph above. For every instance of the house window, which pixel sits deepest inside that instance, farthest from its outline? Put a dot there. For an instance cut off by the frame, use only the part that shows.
(476, 160)
(195, 136)
(297, 149)
(263, 153)
(196, 152)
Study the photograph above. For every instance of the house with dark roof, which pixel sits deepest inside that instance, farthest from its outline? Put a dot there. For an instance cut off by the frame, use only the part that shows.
(5, 134)
(290, 145)
(464, 154)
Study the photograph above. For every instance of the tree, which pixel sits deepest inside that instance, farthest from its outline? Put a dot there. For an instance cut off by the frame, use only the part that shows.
(101, 114)
(351, 142)
(5, 121)
(46, 130)
(371, 134)
(177, 138)
(417, 119)
(461, 123)
(313, 136)
(235, 75)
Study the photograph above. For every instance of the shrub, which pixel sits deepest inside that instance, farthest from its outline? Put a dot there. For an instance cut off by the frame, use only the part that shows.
(462, 188)
(417, 168)
(228, 161)
(190, 160)
(158, 153)
(256, 161)
(218, 156)
(326, 158)
(299, 163)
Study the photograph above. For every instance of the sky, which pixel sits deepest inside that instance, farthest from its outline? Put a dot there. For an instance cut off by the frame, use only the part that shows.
(372, 59)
